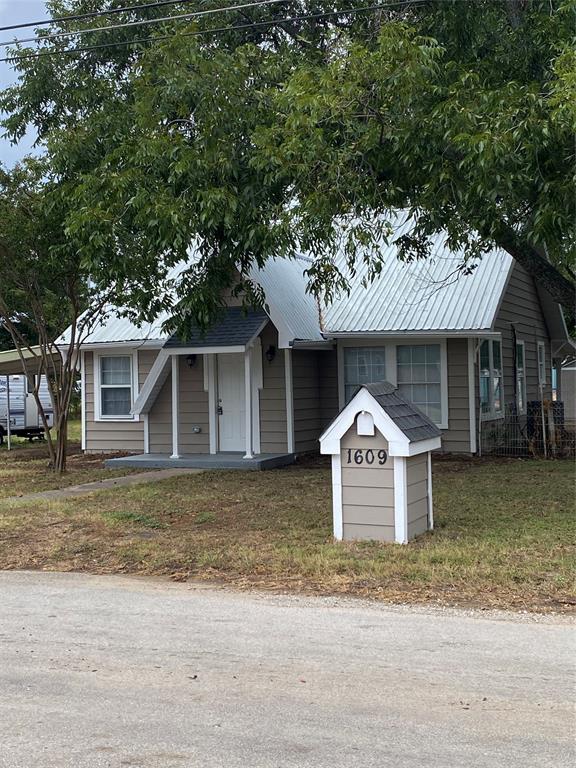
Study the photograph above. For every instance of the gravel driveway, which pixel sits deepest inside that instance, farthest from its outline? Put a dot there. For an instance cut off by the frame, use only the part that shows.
(111, 671)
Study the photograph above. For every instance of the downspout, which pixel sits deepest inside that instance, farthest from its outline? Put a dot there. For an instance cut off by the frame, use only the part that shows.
(477, 364)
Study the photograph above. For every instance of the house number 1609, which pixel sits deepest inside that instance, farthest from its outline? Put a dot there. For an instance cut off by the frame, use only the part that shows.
(366, 455)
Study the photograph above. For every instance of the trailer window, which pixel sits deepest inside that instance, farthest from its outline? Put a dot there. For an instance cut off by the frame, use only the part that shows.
(115, 385)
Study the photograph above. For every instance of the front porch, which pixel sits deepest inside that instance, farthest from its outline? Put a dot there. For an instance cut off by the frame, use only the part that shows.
(201, 461)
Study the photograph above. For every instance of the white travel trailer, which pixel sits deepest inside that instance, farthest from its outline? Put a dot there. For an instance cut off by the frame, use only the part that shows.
(18, 410)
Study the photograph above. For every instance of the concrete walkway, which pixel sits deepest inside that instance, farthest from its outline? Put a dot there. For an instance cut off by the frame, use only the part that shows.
(103, 485)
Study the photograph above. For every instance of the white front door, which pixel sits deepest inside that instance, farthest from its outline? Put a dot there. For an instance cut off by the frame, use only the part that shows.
(231, 403)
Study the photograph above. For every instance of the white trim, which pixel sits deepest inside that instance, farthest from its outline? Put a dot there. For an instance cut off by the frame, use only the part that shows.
(430, 502)
(83, 400)
(210, 365)
(154, 381)
(207, 350)
(541, 345)
(175, 407)
(257, 384)
(523, 394)
(289, 385)
(400, 501)
(421, 446)
(130, 343)
(146, 421)
(472, 396)
(337, 521)
(248, 395)
(369, 336)
(97, 356)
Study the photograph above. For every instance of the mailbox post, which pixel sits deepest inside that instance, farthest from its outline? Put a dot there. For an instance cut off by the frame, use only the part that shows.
(381, 448)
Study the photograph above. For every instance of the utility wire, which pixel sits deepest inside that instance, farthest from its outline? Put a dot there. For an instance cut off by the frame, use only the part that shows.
(141, 22)
(215, 30)
(93, 14)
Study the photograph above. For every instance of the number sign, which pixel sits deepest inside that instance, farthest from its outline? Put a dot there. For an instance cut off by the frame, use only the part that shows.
(366, 456)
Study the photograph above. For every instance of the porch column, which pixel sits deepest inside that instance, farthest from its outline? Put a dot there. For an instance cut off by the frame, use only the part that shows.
(175, 408)
(248, 394)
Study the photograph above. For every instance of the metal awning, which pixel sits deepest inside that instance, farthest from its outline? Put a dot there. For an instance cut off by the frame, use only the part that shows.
(11, 363)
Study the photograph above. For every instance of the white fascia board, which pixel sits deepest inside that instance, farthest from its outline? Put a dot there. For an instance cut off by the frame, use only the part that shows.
(363, 401)
(206, 350)
(444, 334)
(423, 446)
(158, 372)
(135, 344)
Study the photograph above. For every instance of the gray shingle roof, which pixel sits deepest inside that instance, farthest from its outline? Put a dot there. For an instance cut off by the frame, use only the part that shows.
(235, 327)
(410, 419)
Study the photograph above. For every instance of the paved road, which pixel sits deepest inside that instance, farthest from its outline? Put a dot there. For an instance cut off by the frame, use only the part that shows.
(108, 671)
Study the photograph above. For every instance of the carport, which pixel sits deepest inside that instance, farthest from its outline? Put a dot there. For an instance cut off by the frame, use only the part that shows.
(12, 364)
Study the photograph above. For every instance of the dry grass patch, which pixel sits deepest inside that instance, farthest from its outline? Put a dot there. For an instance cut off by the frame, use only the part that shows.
(504, 535)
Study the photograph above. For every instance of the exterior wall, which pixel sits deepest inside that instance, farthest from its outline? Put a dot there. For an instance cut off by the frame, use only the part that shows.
(273, 421)
(306, 386)
(328, 370)
(568, 392)
(456, 439)
(367, 491)
(521, 308)
(417, 493)
(104, 436)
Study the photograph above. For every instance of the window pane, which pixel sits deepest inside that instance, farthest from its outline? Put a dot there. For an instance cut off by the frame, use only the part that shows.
(363, 365)
(115, 370)
(497, 358)
(520, 356)
(404, 374)
(484, 355)
(434, 412)
(116, 401)
(418, 376)
(403, 355)
(419, 354)
(433, 353)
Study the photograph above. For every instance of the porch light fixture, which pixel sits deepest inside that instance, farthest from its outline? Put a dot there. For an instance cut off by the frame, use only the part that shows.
(191, 360)
(271, 353)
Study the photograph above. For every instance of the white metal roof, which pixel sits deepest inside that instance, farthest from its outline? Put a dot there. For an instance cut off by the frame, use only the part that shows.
(426, 295)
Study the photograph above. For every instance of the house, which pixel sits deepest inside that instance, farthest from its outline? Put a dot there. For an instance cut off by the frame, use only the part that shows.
(261, 386)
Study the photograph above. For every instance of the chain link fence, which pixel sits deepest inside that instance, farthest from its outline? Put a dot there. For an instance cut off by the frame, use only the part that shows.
(544, 431)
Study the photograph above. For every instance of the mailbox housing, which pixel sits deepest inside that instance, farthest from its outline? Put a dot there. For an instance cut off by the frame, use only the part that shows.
(381, 447)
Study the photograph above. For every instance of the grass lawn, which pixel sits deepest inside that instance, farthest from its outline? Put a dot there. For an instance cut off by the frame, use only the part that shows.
(24, 469)
(504, 535)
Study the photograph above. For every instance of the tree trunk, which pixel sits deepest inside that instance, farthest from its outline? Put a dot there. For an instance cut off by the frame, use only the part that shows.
(61, 445)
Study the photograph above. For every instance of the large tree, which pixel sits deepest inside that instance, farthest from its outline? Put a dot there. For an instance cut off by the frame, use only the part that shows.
(265, 139)
(44, 288)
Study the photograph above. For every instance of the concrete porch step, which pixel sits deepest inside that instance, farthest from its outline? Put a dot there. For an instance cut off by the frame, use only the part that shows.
(202, 461)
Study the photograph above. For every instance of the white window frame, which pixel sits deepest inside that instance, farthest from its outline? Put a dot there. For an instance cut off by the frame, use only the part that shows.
(541, 361)
(133, 354)
(492, 413)
(389, 346)
(521, 393)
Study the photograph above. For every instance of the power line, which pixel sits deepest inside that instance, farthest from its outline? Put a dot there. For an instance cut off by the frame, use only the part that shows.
(93, 14)
(142, 22)
(215, 30)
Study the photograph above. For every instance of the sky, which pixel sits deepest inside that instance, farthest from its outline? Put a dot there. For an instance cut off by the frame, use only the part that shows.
(15, 12)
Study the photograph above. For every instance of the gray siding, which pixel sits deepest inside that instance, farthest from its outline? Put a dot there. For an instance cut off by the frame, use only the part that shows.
(329, 407)
(273, 423)
(103, 436)
(306, 385)
(456, 439)
(417, 493)
(521, 308)
(367, 491)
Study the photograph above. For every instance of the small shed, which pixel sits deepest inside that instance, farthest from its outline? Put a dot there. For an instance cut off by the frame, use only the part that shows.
(381, 447)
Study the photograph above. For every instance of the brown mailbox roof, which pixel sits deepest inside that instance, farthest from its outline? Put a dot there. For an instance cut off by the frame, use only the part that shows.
(407, 417)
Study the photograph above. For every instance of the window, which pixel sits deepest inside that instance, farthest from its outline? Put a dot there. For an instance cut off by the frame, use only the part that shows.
(491, 397)
(541, 364)
(520, 377)
(418, 374)
(115, 385)
(362, 365)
